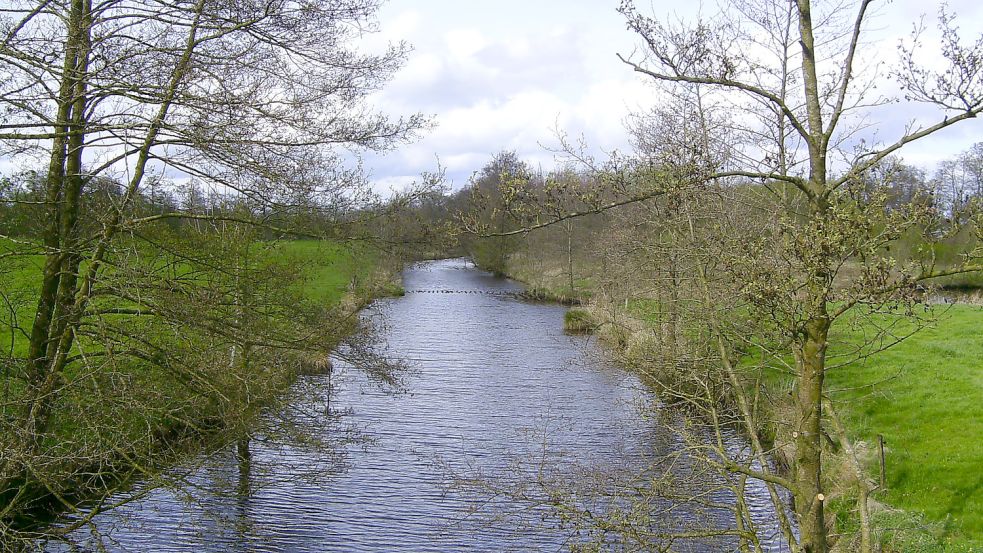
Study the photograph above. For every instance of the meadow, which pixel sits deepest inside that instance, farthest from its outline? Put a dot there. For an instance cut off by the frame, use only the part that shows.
(925, 397)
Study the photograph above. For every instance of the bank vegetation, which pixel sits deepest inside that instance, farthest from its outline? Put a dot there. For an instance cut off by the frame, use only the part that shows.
(756, 261)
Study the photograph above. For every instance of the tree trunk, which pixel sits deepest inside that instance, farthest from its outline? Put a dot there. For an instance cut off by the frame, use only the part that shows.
(54, 184)
(811, 338)
(570, 256)
(811, 361)
(51, 333)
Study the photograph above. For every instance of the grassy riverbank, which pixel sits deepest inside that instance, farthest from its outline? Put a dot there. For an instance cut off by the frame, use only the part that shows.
(330, 273)
(924, 396)
(334, 272)
(123, 415)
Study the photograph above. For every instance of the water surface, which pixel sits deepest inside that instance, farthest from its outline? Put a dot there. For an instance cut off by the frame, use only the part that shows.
(495, 388)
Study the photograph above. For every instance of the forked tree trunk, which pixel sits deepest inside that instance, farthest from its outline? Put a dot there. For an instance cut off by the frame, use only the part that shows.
(65, 180)
(54, 184)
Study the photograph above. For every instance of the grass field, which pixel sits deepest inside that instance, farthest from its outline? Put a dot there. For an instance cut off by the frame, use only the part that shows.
(330, 271)
(928, 405)
(19, 282)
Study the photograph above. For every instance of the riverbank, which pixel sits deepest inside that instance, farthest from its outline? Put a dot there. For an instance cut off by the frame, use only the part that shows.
(924, 396)
(133, 418)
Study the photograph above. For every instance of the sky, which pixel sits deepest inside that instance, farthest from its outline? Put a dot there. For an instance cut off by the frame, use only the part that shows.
(509, 74)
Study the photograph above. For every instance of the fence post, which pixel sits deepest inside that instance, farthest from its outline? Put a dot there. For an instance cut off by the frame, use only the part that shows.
(880, 447)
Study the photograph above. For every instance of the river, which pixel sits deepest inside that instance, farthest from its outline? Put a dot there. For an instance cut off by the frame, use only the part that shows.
(496, 400)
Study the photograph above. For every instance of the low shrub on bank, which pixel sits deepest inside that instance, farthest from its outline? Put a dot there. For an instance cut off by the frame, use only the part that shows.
(579, 321)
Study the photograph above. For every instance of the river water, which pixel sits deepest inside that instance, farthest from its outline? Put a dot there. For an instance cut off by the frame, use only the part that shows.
(499, 410)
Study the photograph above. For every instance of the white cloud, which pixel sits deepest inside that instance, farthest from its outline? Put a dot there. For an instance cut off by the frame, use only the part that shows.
(386, 186)
(506, 79)
(504, 75)
(421, 71)
(463, 44)
(404, 24)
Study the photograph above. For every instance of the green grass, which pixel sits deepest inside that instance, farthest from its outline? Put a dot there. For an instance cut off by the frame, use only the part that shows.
(327, 271)
(925, 396)
(648, 310)
(330, 271)
(928, 404)
(20, 278)
(578, 321)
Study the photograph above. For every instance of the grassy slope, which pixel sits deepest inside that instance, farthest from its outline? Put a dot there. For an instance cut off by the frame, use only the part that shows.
(929, 407)
(331, 269)
(19, 279)
(927, 402)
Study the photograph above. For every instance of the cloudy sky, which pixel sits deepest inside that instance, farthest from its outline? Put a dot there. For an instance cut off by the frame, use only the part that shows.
(507, 74)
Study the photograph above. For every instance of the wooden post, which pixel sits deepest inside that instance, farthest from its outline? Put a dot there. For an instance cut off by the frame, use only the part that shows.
(880, 447)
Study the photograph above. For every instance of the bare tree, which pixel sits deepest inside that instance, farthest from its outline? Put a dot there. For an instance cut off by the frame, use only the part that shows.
(257, 103)
(817, 241)
(971, 162)
(778, 219)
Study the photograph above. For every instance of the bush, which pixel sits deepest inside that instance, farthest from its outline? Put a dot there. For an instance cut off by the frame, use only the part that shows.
(579, 321)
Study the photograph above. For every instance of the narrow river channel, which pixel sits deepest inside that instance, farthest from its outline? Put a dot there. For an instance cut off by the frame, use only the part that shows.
(494, 386)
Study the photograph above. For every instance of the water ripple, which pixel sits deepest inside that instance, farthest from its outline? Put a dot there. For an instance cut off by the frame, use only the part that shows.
(492, 376)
